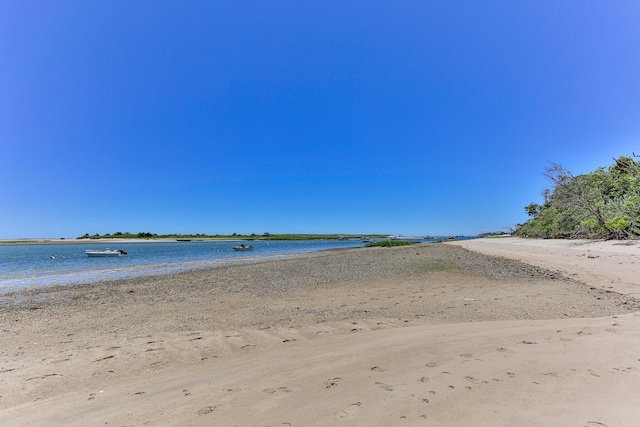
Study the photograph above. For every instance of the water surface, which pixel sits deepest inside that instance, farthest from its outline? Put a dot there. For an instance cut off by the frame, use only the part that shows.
(46, 264)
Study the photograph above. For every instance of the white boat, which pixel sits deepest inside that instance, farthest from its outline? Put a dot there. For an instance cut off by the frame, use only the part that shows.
(243, 248)
(105, 253)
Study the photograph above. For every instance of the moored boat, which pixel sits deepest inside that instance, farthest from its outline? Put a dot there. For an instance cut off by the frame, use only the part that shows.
(105, 253)
(243, 248)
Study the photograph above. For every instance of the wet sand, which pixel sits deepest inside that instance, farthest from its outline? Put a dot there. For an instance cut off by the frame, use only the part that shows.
(432, 334)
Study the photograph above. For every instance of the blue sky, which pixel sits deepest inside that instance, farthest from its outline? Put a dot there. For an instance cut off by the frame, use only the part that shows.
(410, 117)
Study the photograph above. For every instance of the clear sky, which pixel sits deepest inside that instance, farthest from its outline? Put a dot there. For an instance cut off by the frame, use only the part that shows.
(405, 117)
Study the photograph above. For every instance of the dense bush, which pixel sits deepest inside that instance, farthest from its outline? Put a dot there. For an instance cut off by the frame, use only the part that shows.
(604, 203)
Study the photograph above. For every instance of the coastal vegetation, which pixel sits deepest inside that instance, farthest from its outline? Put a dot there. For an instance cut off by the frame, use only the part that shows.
(492, 234)
(604, 203)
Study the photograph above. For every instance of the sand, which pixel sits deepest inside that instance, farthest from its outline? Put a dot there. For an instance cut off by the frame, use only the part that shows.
(428, 335)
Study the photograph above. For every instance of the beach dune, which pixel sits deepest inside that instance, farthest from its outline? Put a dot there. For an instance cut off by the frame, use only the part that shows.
(426, 335)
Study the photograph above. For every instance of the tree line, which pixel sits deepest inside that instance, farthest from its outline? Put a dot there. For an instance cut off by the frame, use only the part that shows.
(604, 203)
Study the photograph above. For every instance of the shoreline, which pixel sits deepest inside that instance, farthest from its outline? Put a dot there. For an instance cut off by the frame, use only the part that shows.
(499, 267)
(155, 271)
(375, 336)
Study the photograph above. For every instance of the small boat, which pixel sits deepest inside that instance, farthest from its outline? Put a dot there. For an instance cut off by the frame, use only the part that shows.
(105, 253)
(243, 248)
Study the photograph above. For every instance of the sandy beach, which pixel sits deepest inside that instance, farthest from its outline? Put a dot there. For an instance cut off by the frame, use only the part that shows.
(488, 332)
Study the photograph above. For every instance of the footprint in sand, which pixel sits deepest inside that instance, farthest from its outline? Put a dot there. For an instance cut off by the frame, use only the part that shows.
(332, 382)
(377, 369)
(385, 387)
(351, 409)
(432, 364)
(391, 325)
(276, 390)
(593, 373)
(207, 410)
(471, 379)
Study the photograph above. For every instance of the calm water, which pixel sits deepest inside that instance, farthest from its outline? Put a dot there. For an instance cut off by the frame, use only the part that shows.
(29, 265)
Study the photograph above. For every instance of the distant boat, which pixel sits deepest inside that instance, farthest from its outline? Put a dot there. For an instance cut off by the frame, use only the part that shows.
(243, 248)
(366, 240)
(105, 253)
